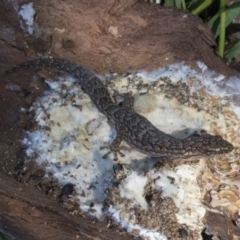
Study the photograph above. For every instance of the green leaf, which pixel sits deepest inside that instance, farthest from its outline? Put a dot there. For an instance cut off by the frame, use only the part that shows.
(173, 3)
(178, 3)
(222, 36)
(184, 4)
(231, 13)
(5, 237)
(191, 5)
(233, 52)
(169, 3)
(202, 7)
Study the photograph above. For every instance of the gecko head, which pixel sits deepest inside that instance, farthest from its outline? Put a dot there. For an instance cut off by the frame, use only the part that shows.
(208, 144)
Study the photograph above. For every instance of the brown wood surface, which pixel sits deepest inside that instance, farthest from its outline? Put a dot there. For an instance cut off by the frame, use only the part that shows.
(105, 36)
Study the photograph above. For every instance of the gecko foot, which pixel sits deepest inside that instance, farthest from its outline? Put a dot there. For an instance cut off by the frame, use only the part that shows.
(124, 99)
(115, 146)
(115, 151)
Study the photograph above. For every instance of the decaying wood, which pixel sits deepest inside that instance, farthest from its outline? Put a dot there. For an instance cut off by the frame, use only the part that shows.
(105, 36)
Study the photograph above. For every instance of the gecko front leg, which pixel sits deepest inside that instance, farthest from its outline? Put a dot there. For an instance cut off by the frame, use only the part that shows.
(124, 99)
(115, 145)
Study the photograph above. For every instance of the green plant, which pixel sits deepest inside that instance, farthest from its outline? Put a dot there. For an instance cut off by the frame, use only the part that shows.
(4, 236)
(218, 24)
(217, 18)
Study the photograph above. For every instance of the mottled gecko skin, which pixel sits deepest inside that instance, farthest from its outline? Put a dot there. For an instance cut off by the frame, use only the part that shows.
(135, 129)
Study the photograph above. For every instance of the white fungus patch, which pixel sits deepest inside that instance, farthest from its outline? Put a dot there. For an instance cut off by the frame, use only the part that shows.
(173, 190)
(26, 16)
(191, 194)
(133, 187)
(71, 132)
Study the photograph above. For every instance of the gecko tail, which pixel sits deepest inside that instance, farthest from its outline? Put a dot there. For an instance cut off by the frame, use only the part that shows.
(47, 63)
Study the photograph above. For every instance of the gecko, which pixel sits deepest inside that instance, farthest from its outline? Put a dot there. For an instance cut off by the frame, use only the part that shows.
(130, 126)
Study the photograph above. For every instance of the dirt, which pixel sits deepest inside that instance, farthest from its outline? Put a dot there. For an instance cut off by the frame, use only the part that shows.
(105, 36)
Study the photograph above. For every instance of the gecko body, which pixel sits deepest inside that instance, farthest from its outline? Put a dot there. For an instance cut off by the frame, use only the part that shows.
(132, 127)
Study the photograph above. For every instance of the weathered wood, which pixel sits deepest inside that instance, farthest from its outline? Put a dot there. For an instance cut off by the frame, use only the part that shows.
(105, 36)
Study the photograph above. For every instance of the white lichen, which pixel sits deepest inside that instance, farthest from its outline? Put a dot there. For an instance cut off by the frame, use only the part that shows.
(71, 132)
